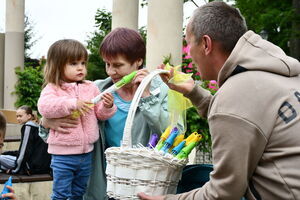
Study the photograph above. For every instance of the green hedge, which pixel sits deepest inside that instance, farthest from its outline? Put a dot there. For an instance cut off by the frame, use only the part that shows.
(29, 86)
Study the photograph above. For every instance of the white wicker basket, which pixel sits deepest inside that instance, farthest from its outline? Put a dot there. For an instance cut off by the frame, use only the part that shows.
(139, 169)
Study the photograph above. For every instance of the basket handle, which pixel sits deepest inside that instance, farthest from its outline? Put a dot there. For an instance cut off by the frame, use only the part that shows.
(126, 142)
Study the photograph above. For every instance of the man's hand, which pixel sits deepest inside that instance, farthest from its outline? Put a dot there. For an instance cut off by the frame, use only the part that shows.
(60, 124)
(183, 88)
(10, 195)
(143, 196)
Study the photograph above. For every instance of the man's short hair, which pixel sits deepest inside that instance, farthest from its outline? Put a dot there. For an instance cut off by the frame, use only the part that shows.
(2, 125)
(222, 22)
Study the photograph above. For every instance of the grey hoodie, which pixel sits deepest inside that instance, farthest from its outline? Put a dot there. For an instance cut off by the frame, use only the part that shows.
(254, 121)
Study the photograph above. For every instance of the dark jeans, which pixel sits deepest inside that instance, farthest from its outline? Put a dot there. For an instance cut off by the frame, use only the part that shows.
(70, 176)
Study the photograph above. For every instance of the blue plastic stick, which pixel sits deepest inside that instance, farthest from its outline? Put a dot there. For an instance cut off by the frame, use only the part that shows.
(5, 189)
(170, 140)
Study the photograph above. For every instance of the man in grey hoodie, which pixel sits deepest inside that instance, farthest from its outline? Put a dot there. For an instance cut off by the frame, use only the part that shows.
(254, 118)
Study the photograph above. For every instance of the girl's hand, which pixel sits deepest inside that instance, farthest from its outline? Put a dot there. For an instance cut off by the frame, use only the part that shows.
(108, 100)
(140, 75)
(60, 124)
(11, 194)
(84, 106)
(183, 88)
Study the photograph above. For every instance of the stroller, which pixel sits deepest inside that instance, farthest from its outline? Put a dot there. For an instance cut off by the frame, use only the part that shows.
(194, 176)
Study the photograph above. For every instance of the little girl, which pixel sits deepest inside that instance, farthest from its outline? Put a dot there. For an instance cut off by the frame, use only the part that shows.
(32, 156)
(67, 90)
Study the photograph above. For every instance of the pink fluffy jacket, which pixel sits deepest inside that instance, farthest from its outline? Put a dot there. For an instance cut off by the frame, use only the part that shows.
(57, 102)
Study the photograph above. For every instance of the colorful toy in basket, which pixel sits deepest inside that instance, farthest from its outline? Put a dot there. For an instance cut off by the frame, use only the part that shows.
(176, 145)
(125, 80)
(154, 171)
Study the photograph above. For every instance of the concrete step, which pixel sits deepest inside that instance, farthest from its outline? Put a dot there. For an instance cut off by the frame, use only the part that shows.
(32, 190)
(13, 130)
(11, 146)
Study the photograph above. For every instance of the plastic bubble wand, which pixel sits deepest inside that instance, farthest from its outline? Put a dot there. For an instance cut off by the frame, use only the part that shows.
(125, 80)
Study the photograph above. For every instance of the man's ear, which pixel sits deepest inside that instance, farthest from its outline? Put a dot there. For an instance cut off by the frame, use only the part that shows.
(207, 43)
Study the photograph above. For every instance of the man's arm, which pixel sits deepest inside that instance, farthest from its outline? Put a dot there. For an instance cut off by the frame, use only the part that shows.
(200, 98)
(237, 148)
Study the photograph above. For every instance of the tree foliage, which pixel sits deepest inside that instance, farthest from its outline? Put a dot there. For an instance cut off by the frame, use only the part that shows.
(29, 42)
(275, 17)
(96, 66)
(295, 39)
(29, 34)
(29, 86)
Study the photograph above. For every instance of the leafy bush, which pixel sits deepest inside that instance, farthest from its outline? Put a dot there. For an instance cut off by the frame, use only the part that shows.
(29, 86)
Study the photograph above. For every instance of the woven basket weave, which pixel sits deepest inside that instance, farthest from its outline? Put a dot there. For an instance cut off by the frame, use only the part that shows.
(139, 169)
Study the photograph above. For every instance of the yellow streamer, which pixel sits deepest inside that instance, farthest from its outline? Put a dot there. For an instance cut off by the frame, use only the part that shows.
(177, 103)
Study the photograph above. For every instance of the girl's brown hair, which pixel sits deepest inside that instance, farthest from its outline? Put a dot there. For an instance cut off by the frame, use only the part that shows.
(59, 54)
(28, 111)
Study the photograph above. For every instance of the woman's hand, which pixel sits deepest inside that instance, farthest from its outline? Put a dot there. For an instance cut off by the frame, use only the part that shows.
(60, 124)
(143, 196)
(108, 100)
(11, 194)
(183, 88)
(140, 75)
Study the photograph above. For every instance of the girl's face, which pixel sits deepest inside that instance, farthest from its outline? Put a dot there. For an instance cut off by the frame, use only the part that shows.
(118, 67)
(75, 71)
(22, 116)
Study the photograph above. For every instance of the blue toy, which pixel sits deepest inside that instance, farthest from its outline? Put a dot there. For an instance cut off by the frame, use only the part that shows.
(5, 189)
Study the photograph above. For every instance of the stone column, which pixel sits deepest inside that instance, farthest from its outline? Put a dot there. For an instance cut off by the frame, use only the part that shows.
(2, 38)
(14, 48)
(125, 13)
(164, 32)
